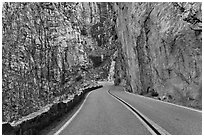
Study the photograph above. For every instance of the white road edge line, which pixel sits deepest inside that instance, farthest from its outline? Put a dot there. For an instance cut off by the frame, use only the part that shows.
(160, 129)
(164, 102)
(70, 120)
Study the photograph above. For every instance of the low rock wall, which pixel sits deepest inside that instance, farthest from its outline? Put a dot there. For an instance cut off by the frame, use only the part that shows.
(34, 124)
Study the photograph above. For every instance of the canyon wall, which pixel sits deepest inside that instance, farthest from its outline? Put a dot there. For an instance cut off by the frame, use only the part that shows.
(160, 49)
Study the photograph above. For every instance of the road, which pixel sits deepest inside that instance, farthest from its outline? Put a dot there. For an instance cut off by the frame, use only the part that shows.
(102, 114)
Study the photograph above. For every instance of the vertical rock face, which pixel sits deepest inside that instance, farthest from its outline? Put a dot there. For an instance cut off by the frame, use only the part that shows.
(160, 49)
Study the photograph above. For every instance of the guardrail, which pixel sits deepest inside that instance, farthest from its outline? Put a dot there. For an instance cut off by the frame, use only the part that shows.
(38, 122)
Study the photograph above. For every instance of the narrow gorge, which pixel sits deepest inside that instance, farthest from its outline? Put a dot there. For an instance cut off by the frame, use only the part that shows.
(53, 50)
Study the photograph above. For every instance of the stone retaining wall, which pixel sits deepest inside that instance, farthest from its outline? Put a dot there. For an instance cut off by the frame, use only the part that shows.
(38, 122)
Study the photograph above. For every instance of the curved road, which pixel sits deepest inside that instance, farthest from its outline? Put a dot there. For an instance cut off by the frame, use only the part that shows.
(176, 120)
(103, 114)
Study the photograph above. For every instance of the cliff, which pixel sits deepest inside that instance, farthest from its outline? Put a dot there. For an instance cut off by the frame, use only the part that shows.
(50, 50)
(160, 50)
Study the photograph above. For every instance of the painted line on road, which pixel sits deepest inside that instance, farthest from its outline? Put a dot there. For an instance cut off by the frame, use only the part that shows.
(149, 124)
(164, 102)
(70, 120)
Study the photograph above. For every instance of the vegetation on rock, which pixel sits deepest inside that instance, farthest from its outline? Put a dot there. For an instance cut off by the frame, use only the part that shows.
(51, 49)
(46, 52)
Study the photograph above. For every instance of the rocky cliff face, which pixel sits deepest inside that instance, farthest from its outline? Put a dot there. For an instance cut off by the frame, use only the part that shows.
(50, 50)
(160, 49)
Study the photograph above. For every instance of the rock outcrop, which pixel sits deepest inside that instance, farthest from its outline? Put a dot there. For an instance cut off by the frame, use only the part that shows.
(161, 49)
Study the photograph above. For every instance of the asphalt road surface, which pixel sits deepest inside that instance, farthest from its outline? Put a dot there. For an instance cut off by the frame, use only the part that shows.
(175, 120)
(102, 114)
